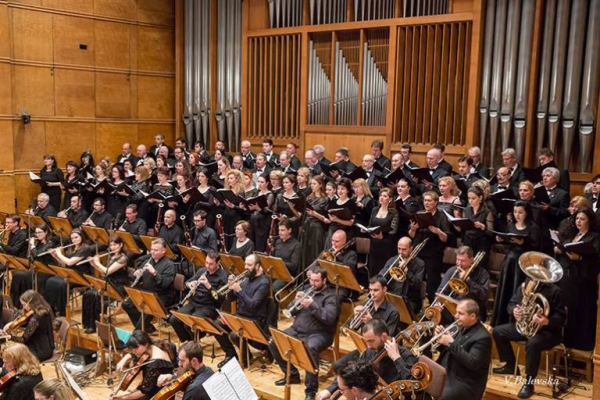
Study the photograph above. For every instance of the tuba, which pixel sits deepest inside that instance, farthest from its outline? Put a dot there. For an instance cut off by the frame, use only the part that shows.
(540, 268)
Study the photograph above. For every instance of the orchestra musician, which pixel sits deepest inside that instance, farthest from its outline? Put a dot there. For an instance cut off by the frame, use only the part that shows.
(242, 246)
(377, 306)
(52, 389)
(202, 303)
(115, 273)
(548, 336)
(159, 358)
(314, 323)
(18, 360)
(100, 217)
(171, 232)
(288, 249)
(132, 224)
(252, 295)
(75, 213)
(43, 209)
(410, 289)
(357, 380)
(17, 237)
(56, 287)
(203, 236)
(38, 334)
(467, 355)
(191, 359)
(157, 275)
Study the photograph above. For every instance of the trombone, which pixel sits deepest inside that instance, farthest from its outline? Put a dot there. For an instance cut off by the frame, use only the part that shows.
(297, 304)
(459, 285)
(399, 272)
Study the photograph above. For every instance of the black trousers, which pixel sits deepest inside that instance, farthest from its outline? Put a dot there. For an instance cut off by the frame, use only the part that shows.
(184, 332)
(543, 340)
(434, 268)
(228, 341)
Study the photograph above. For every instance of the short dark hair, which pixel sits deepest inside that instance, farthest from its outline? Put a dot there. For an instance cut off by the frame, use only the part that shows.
(378, 144)
(464, 250)
(317, 269)
(132, 207)
(466, 159)
(213, 254)
(192, 350)
(440, 146)
(100, 200)
(343, 151)
(545, 151)
(286, 222)
(379, 278)
(377, 326)
(15, 217)
(200, 213)
(471, 306)
(359, 374)
(268, 141)
(406, 146)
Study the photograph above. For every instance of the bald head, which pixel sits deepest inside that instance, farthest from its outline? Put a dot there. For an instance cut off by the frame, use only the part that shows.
(338, 239)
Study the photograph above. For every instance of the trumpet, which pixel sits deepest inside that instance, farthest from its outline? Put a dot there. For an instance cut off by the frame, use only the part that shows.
(223, 291)
(297, 304)
(99, 255)
(451, 329)
(59, 247)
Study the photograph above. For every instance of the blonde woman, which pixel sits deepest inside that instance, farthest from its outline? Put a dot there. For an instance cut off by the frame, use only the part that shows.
(19, 360)
(364, 203)
(52, 389)
(232, 213)
(448, 194)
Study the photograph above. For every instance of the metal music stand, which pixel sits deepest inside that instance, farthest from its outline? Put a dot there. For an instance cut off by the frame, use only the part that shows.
(340, 275)
(246, 329)
(61, 226)
(233, 264)
(129, 242)
(147, 303)
(196, 257)
(71, 277)
(294, 351)
(147, 240)
(404, 311)
(197, 324)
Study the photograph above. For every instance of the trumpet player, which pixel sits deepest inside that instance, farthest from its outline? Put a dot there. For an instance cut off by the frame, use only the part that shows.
(202, 303)
(75, 213)
(467, 355)
(548, 336)
(43, 209)
(315, 320)
(252, 297)
(410, 289)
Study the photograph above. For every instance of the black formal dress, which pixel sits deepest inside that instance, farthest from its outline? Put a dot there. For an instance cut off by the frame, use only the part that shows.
(382, 249)
(150, 373)
(242, 251)
(312, 231)
(21, 387)
(334, 226)
(207, 205)
(38, 336)
(23, 280)
(54, 175)
(477, 239)
(260, 221)
(364, 209)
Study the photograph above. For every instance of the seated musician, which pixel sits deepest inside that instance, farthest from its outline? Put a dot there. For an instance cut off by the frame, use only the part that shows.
(143, 350)
(242, 246)
(115, 273)
(202, 303)
(39, 251)
(378, 307)
(548, 335)
(17, 238)
(288, 248)
(252, 297)
(75, 214)
(38, 335)
(134, 225)
(316, 313)
(345, 256)
(43, 209)
(56, 287)
(467, 355)
(20, 361)
(190, 359)
(357, 380)
(52, 389)
(395, 365)
(203, 236)
(157, 275)
(171, 232)
(410, 289)
(478, 280)
(100, 217)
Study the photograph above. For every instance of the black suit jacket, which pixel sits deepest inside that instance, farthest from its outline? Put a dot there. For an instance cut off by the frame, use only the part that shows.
(445, 165)
(295, 162)
(482, 170)
(517, 176)
(466, 361)
(154, 150)
(384, 162)
(121, 159)
(559, 204)
(411, 165)
(565, 177)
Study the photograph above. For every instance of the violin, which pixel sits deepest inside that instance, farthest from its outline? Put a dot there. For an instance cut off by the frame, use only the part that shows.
(7, 380)
(19, 321)
(131, 374)
(176, 385)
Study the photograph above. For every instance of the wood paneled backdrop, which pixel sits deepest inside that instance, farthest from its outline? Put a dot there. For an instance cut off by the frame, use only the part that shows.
(121, 88)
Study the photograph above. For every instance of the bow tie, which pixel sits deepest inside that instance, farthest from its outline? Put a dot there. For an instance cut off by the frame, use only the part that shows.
(259, 171)
(503, 187)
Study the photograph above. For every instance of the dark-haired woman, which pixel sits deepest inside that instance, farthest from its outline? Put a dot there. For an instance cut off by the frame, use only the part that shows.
(161, 355)
(207, 204)
(53, 176)
(511, 276)
(283, 208)
(260, 220)
(384, 216)
(117, 200)
(343, 201)
(115, 273)
(480, 238)
(38, 334)
(70, 185)
(312, 231)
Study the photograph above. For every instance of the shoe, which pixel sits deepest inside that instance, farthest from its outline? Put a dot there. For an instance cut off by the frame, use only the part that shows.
(526, 391)
(222, 363)
(506, 370)
(295, 379)
(310, 397)
(89, 330)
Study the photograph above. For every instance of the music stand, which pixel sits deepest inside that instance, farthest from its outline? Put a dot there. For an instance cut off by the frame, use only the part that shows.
(247, 329)
(198, 323)
(405, 313)
(97, 235)
(233, 264)
(104, 288)
(358, 340)
(129, 242)
(196, 257)
(35, 267)
(12, 262)
(31, 220)
(146, 303)
(61, 226)
(340, 275)
(71, 277)
(147, 240)
(274, 268)
(448, 302)
(294, 351)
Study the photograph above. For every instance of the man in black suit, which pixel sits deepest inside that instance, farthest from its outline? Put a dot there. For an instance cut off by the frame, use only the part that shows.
(220, 145)
(509, 160)
(247, 155)
(442, 163)
(406, 151)
(503, 178)
(142, 154)
(285, 163)
(126, 155)
(368, 163)
(159, 141)
(546, 160)
(291, 148)
(320, 153)
(376, 151)
(475, 154)
(200, 149)
(343, 154)
(593, 198)
(548, 336)
(260, 167)
(464, 171)
(467, 355)
(436, 172)
(312, 163)
(271, 157)
(557, 209)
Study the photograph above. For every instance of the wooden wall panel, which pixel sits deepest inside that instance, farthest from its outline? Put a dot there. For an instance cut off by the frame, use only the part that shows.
(33, 90)
(32, 2)
(32, 35)
(152, 45)
(70, 32)
(5, 89)
(146, 133)
(29, 142)
(155, 97)
(82, 6)
(124, 9)
(67, 140)
(111, 41)
(24, 190)
(113, 95)
(7, 160)
(110, 137)
(7, 188)
(75, 93)
(4, 32)
(156, 12)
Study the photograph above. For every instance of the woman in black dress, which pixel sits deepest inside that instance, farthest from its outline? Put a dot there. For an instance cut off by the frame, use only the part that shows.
(480, 238)
(208, 203)
(38, 334)
(56, 288)
(53, 176)
(382, 246)
(232, 213)
(182, 183)
(580, 283)
(115, 273)
(511, 276)
(283, 208)
(18, 359)
(312, 232)
(364, 205)
(275, 179)
(343, 201)
(260, 219)
(161, 355)
(140, 186)
(302, 182)
(163, 187)
(116, 201)
(70, 185)
(404, 201)
(242, 246)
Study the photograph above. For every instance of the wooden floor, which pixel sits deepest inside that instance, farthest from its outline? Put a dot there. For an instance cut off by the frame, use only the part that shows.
(263, 380)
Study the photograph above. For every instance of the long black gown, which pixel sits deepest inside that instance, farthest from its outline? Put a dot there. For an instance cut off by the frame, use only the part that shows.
(312, 232)
(382, 249)
(260, 221)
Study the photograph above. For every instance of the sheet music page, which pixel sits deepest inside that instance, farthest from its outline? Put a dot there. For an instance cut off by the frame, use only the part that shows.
(229, 384)
(33, 176)
(218, 388)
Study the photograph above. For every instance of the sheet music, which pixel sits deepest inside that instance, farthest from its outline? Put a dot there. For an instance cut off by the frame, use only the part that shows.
(34, 177)
(231, 383)
(554, 236)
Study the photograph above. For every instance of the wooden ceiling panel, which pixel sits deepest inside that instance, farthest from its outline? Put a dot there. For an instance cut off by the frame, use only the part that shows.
(113, 95)
(33, 90)
(112, 44)
(125, 9)
(155, 49)
(156, 97)
(70, 35)
(67, 140)
(30, 144)
(75, 93)
(32, 35)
